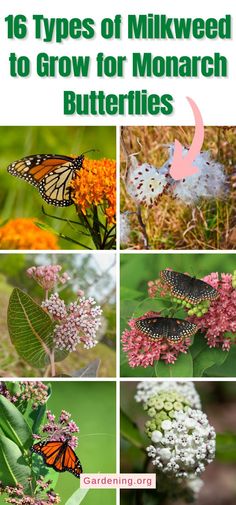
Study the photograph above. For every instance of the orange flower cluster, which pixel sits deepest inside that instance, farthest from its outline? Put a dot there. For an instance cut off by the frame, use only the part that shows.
(95, 184)
(22, 233)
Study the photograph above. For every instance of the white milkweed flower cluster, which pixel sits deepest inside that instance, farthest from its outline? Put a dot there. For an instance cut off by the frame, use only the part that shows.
(146, 389)
(146, 183)
(182, 439)
(184, 445)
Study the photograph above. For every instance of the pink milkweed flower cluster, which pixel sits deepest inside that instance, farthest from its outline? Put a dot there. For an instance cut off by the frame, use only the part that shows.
(48, 276)
(35, 391)
(16, 495)
(76, 323)
(60, 431)
(221, 316)
(144, 351)
(157, 287)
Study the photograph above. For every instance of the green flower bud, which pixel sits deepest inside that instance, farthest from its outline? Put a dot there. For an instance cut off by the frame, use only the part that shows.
(151, 412)
(234, 279)
(162, 407)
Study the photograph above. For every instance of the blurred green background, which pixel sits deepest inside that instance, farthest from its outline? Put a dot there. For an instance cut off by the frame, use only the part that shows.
(19, 199)
(93, 407)
(94, 274)
(135, 272)
(138, 269)
(218, 400)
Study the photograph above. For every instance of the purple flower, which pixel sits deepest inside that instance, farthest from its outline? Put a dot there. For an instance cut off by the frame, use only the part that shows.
(62, 430)
(44, 494)
(35, 391)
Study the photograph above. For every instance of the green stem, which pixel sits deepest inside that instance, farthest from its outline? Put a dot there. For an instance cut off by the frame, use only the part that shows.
(52, 363)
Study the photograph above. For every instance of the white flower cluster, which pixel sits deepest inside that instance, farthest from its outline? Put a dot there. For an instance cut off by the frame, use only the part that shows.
(146, 389)
(184, 445)
(145, 183)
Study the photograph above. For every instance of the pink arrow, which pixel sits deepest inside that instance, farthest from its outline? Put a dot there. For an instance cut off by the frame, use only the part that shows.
(182, 166)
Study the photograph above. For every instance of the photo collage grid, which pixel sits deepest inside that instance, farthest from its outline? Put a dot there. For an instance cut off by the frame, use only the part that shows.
(118, 315)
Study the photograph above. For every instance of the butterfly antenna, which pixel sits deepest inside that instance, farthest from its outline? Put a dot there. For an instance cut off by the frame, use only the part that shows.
(90, 151)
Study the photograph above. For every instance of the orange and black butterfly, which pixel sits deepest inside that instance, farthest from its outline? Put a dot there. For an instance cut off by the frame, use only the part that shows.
(51, 174)
(59, 456)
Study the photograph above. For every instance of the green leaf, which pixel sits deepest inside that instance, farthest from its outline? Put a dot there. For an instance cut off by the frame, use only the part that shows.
(138, 371)
(207, 358)
(13, 468)
(228, 368)
(77, 497)
(39, 469)
(183, 367)
(14, 425)
(30, 329)
(35, 417)
(226, 447)
(130, 431)
(199, 345)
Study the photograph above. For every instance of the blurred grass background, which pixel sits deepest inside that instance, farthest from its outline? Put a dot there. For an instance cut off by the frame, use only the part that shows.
(219, 403)
(171, 224)
(19, 199)
(95, 274)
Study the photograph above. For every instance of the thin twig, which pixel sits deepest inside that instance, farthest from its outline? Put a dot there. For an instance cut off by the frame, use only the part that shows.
(143, 226)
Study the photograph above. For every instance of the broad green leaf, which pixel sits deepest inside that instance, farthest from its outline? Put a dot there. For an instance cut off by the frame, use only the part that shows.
(161, 369)
(130, 431)
(138, 371)
(30, 329)
(227, 369)
(77, 497)
(207, 358)
(183, 367)
(14, 425)
(226, 447)
(13, 468)
(198, 345)
(35, 417)
(39, 469)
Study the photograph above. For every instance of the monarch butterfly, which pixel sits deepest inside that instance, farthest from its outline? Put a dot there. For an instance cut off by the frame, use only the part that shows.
(59, 456)
(174, 330)
(188, 288)
(50, 173)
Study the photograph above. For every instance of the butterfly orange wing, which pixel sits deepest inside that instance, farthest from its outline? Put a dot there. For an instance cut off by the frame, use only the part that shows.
(51, 174)
(59, 456)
